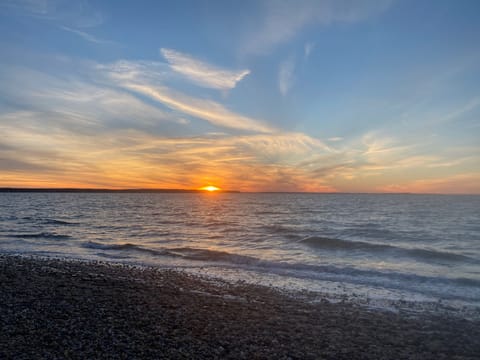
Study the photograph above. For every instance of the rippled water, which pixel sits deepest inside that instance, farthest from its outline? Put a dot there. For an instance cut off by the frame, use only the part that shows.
(409, 245)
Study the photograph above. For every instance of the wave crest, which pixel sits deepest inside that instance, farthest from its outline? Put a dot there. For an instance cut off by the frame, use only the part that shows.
(418, 253)
(125, 246)
(58, 222)
(42, 235)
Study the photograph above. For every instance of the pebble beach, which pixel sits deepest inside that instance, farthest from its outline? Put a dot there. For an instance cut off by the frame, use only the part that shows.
(58, 309)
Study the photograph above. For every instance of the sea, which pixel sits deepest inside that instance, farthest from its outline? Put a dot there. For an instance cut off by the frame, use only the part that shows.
(374, 247)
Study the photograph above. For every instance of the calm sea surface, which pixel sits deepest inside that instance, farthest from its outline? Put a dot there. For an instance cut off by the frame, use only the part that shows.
(424, 247)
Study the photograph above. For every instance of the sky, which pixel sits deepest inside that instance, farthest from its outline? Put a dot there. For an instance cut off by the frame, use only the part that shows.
(315, 95)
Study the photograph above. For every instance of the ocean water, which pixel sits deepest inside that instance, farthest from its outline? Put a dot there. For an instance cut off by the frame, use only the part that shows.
(412, 247)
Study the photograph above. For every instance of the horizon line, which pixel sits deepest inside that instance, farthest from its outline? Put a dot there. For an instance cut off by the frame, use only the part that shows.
(181, 190)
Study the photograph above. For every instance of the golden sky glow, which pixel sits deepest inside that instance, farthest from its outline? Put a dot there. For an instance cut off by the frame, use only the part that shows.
(210, 188)
(283, 101)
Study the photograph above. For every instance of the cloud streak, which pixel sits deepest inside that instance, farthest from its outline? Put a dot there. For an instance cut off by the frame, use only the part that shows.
(202, 73)
(74, 13)
(123, 125)
(308, 48)
(286, 75)
(285, 18)
(86, 36)
(210, 111)
(145, 79)
(123, 157)
(454, 184)
(40, 150)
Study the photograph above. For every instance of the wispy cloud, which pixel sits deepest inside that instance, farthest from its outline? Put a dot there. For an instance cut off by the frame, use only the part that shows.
(126, 147)
(308, 48)
(335, 139)
(31, 6)
(81, 133)
(286, 75)
(267, 161)
(460, 111)
(74, 13)
(286, 147)
(144, 78)
(208, 110)
(79, 104)
(68, 15)
(124, 125)
(123, 157)
(284, 19)
(86, 36)
(453, 184)
(151, 72)
(202, 73)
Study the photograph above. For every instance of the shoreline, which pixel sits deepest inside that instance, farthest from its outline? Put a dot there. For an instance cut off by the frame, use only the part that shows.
(307, 290)
(72, 309)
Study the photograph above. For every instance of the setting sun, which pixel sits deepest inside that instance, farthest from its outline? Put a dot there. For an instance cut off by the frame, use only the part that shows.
(210, 188)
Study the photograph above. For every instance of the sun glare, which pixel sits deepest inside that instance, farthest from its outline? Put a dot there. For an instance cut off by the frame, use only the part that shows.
(210, 188)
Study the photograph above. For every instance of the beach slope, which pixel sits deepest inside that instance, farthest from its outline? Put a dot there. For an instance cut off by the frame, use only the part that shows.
(69, 309)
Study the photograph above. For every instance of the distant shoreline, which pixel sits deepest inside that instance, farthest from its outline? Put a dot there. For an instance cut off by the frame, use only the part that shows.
(198, 191)
(79, 190)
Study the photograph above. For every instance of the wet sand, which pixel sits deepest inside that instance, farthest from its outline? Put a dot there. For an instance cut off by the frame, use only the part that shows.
(75, 310)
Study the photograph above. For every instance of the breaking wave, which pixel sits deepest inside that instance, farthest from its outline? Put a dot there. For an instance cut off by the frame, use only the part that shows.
(125, 246)
(42, 235)
(320, 272)
(181, 252)
(58, 222)
(417, 253)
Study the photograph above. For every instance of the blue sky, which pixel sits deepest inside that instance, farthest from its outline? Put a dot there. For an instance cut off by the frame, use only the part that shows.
(370, 96)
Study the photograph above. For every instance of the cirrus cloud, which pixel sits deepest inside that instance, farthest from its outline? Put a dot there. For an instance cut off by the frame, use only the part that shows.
(283, 19)
(202, 73)
(147, 79)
